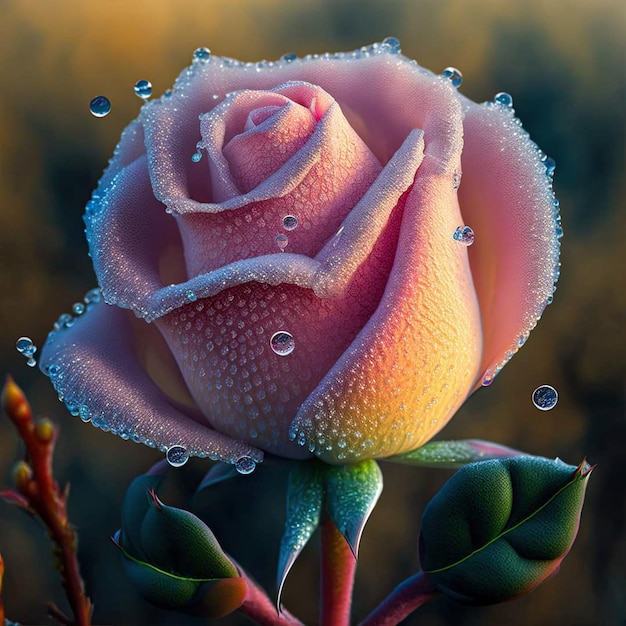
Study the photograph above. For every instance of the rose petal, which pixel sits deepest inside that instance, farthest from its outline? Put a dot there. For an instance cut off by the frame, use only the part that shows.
(506, 198)
(383, 95)
(415, 361)
(133, 243)
(320, 184)
(94, 364)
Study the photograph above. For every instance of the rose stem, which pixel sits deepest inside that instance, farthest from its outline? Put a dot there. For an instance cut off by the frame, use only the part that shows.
(258, 607)
(407, 597)
(1, 604)
(337, 569)
(40, 495)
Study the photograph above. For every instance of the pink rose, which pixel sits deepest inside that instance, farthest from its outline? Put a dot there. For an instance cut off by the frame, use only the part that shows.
(282, 249)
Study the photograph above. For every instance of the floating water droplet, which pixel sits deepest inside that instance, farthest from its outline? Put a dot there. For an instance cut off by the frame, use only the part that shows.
(201, 54)
(453, 75)
(456, 179)
(78, 308)
(545, 397)
(289, 57)
(245, 465)
(393, 44)
(100, 106)
(290, 222)
(176, 456)
(282, 343)
(196, 157)
(464, 234)
(281, 241)
(504, 99)
(143, 89)
(550, 166)
(25, 346)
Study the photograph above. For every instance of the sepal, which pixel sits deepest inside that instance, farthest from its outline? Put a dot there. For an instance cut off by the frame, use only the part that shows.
(499, 528)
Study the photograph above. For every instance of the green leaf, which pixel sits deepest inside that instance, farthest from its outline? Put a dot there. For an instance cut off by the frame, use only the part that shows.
(304, 505)
(499, 528)
(351, 494)
(452, 453)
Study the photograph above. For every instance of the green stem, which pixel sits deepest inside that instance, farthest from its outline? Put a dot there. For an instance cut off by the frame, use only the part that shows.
(337, 568)
(407, 597)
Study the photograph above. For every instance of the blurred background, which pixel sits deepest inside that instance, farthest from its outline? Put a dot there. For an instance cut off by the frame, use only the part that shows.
(563, 62)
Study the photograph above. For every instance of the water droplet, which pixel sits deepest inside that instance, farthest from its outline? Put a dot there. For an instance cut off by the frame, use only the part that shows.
(393, 44)
(453, 75)
(489, 377)
(290, 222)
(559, 231)
(167, 93)
(504, 99)
(201, 54)
(281, 241)
(456, 179)
(100, 106)
(282, 343)
(192, 296)
(143, 89)
(78, 308)
(176, 456)
(245, 465)
(550, 166)
(464, 234)
(65, 321)
(196, 157)
(545, 397)
(25, 346)
(92, 296)
(289, 57)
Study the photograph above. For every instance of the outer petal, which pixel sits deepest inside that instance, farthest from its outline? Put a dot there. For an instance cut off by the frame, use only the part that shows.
(134, 244)
(506, 197)
(95, 366)
(413, 364)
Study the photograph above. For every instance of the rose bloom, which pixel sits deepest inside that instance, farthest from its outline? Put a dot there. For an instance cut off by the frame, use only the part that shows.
(283, 255)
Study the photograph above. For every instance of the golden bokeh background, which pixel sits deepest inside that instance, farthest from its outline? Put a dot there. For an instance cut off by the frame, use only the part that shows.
(563, 62)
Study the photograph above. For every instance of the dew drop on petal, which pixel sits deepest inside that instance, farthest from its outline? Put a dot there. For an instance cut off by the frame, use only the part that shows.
(550, 166)
(488, 378)
(545, 397)
(201, 54)
(92, 296)
(392, 44)
(464, 234)
(504, 99)
(143, 89)
(282, 343)
(456, 179)
(290, 222)
(192, 296)
(453, 75)
(78, 308)
(196, 157)
(100, 106)
(288, 57)
(245, 465)
(177, 456)
(281, 241)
